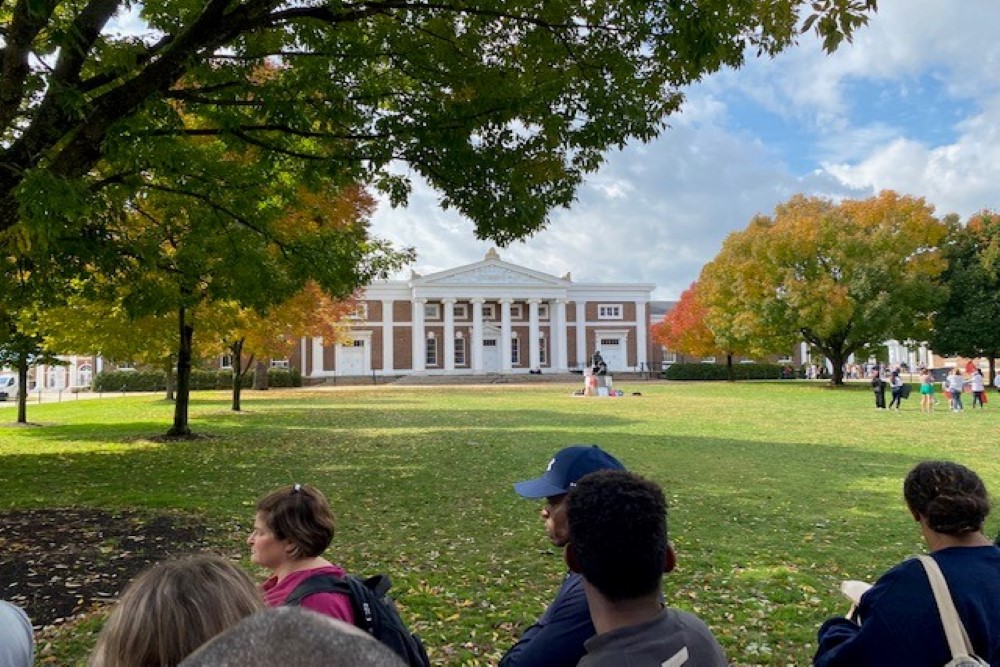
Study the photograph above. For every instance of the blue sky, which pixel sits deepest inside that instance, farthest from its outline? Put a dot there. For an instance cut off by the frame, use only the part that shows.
(913, 105)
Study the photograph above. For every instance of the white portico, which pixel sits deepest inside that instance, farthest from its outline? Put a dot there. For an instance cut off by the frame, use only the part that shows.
(488, 317)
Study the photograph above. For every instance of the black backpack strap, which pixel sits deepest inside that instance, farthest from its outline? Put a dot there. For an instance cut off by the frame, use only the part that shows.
(318, 583)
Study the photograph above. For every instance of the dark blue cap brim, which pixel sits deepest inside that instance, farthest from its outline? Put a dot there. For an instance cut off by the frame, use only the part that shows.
(538, 488)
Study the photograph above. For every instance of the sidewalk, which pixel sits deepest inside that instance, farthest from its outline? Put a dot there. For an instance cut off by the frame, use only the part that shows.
(60, 396)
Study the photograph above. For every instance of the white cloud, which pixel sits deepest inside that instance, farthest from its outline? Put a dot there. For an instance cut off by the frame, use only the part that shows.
(657, 213)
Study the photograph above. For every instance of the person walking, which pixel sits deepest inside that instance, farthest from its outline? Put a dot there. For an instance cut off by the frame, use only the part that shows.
(896, 383)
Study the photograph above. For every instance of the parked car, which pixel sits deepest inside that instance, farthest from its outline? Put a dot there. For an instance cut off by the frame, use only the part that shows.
(8, 386)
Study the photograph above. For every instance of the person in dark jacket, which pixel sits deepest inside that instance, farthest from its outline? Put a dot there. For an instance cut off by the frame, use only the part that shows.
(556, 639)
(899, 619)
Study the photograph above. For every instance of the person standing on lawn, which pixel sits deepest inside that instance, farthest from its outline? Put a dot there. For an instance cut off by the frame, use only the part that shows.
(896, 382)
(556, 639)
(955, 385)
(618, 543)
(926, 391)
(978, 388)
(878, 386)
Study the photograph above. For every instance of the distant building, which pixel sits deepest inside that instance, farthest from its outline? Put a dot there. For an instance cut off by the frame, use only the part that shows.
(488, 317)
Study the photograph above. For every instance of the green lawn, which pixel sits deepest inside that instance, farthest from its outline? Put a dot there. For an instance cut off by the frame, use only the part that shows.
(777, 490)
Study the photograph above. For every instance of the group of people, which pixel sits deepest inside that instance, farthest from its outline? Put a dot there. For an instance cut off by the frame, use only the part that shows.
(952, 387)
(609, 611)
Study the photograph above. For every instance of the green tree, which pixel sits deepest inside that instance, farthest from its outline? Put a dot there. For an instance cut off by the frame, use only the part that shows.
(501, 105)
(843, 277)
(968, 322)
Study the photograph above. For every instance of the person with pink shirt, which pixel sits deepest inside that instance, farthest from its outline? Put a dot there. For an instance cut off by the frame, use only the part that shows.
(291, 530)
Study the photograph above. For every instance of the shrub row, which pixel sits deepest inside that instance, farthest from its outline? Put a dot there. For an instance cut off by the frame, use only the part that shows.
(156, 380)
(719, 372)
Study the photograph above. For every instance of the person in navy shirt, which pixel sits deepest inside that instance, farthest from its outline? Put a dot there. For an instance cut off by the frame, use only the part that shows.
(899, 620)
(556, 639)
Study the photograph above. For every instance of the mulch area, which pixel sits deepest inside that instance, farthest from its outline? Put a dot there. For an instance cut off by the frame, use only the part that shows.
(58, 563)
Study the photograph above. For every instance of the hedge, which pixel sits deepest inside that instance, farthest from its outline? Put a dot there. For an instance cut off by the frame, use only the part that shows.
(200, 379)
(720, 372)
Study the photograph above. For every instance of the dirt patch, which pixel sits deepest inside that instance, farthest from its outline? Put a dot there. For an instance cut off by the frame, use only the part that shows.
(56, 563)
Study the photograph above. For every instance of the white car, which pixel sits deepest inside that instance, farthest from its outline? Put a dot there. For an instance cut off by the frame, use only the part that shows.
(8, 386)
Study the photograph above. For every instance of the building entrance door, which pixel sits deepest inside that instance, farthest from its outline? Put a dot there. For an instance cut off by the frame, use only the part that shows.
(613, 352)
(491, 355)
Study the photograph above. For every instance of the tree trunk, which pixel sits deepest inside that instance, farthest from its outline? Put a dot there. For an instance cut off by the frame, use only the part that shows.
(730, 372)
(239, 370)
(993, 367)
(168, 366)
(837, 358)
(181, 427)
(22, 390)
(260, 382)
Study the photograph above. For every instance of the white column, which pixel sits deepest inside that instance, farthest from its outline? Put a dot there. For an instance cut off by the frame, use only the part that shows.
(581, 334)
(477, 335)
(449, 333)
(303, 358)
(557, 332)
(505, 365)
(73, 377)
(534, 356)
(419, 336)
(317, 367)
(388, 342)
(640, 334)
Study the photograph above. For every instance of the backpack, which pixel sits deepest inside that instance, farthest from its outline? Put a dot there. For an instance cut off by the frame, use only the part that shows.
(962, 654)
(374, 611)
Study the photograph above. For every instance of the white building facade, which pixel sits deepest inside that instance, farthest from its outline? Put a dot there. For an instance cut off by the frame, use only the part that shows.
(490, 317)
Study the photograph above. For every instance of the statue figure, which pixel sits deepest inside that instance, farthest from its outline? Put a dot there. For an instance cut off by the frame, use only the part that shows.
(597, 364)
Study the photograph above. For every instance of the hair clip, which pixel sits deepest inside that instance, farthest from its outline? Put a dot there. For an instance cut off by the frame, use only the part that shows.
(298, 487)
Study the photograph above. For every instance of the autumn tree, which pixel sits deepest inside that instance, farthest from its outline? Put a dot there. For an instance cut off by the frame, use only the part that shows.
(843, 277)
(968, 322)
(501, 105)
(685, 329)
(253, 337)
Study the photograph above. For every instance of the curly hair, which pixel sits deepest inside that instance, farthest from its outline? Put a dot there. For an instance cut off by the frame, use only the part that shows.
(618, 532)
(299, 513)
(948, 495)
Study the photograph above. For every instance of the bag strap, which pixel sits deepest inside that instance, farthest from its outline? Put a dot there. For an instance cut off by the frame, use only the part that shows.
(958, 639)
(318, 583)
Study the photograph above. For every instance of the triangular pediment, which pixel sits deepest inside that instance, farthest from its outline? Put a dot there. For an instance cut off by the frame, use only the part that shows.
(490, 272)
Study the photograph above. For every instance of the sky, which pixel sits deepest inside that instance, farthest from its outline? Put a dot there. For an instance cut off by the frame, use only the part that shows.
(913, 105)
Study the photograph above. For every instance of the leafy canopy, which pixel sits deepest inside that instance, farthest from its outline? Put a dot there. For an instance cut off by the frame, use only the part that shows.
(501, 105)
(843, 277)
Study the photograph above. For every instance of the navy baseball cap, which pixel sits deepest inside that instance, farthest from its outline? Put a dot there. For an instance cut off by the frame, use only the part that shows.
(565, 470)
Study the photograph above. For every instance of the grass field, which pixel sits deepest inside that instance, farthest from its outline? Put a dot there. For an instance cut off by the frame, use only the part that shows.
(777, 491)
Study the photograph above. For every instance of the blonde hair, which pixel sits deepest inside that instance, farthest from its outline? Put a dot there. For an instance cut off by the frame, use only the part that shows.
(171, 609)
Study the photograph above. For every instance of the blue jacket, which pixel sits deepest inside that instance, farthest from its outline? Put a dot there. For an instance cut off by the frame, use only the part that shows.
(556, 640)
(900, 623)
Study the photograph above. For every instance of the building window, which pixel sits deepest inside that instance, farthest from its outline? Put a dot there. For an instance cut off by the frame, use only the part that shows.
(543, 311)
(516, 312)
(787, 359)
(432, 311)
(708, 360)
(126, 366)
(489, 311)
(84, 374)
(279, 363)
(432, 351)
(461, 311)
(360, 312)
(669, 357)
(226, 361)
(515, 351)
(609, 311)
(459, 351)
(610, 342)
(543, 353)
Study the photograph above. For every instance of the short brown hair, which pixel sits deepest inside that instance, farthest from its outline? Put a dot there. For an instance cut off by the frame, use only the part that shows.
(172, 608)
(301, 514)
